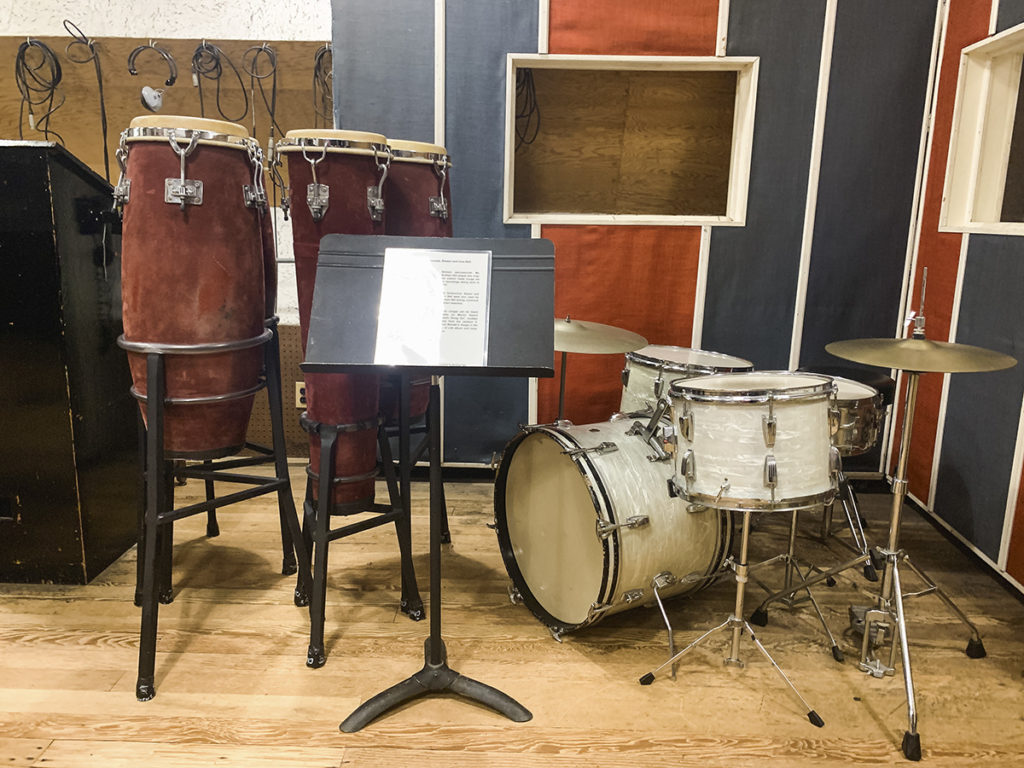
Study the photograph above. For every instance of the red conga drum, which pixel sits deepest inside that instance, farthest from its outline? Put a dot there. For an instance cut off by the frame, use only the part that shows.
(335, 179)
(194, 276)
(418, 197)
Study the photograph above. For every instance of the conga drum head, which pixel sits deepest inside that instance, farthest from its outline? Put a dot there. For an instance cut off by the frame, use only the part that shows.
(160, 127)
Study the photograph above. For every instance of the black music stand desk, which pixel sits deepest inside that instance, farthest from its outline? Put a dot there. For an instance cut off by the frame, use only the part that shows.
(520, 342)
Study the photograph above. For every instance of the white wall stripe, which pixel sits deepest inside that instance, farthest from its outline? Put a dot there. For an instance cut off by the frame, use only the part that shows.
(824, 70)
(723, 28)
(533, 383)
(440, 76)
(993, 17)
(543, 25)
(701, 289)
(917, 213)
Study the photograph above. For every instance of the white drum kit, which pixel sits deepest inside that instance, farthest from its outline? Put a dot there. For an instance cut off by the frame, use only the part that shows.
(595, 519)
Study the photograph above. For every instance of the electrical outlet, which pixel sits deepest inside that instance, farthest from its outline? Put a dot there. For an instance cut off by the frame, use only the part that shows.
(300, 394)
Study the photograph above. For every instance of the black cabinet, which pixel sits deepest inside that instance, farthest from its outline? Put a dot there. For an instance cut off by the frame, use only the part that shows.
(68, 429)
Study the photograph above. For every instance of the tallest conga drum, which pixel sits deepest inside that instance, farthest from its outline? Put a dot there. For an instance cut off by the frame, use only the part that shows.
(336, 179)
(193, 282)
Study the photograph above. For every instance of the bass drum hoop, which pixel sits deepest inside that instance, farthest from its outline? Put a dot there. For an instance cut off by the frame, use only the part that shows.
(610, 546)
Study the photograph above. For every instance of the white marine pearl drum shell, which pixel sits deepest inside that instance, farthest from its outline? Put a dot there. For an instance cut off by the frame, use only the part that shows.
(553, 491)
(724, 452)
(650, 370)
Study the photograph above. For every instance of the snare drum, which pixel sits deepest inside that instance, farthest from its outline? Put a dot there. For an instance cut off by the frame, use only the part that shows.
(649, 370)
(336, 178)
(586, 525)
(758, 440)
(193, 274)
(860, 415)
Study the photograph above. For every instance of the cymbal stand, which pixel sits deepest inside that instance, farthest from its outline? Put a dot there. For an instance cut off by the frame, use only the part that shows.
(737, 624)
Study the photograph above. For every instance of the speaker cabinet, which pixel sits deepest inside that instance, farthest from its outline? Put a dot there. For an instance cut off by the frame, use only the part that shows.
(68, 482)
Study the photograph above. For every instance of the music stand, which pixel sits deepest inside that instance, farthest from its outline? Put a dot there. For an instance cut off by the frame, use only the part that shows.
(342, 338)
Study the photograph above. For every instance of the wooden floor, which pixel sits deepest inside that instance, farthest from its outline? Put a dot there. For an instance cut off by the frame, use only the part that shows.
(233, 688)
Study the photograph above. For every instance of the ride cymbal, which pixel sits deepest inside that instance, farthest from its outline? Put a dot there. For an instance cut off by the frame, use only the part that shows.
(923, 355)
(594, 338)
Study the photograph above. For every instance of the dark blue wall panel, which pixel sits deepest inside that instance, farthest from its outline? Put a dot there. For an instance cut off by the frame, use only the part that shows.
(481, 414)
(752, 270)
(876, 102)
(983, 408)
(1011, 13)
(384, 67)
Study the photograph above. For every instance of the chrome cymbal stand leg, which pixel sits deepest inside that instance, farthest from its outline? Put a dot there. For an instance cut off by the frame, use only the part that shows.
(738, 624)
(668, 625)
(975, 647)
(911, 739)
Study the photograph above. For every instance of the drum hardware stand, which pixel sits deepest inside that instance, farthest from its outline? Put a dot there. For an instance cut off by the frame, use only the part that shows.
(737, 624)
(318, 533)
(855, 523)
(792, 566)
(157, 516)
(650, 433)
(435, 676)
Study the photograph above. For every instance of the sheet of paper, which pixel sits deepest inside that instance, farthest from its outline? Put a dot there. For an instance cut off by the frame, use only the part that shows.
(433, 308)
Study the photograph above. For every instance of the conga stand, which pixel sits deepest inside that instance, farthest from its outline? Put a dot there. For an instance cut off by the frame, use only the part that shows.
(158, 515)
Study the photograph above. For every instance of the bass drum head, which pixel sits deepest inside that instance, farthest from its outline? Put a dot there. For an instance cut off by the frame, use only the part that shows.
(546, 522)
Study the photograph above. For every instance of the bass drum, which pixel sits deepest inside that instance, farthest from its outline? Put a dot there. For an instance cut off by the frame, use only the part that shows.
(586, 525)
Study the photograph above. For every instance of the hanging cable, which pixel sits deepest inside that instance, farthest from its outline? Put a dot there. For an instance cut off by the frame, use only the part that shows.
(251, 66)
(208, 62)
(37, 72)
(527, 108)
(323, 94)
(79, 41)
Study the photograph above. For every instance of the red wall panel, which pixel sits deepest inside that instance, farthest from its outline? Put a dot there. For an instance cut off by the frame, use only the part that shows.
(639, 278)
(939, 251)
(1015, 557)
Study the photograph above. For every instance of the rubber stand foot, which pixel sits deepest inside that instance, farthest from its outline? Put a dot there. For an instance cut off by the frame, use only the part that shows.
(760, 617)
(837, 654)
(416, 612)
(975, 648)
(815, 719)
(289, 567)
(301, 598)
(166, 597)
(138, 600)
(647, 679)
(315, 658)
(912, 746)
(830, 582)
(870, 573)
(144, 691)
(212, 531)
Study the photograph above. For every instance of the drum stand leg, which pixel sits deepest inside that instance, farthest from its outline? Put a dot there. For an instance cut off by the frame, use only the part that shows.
(435, 676)
(760, 616)
(668, 625)
(737, 624)
(854, 523)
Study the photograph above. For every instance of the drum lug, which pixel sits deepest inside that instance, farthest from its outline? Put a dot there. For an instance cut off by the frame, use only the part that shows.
(625, 377)
(375, 203)
(771, 472)
(317, 198)
(633, 595)
(659, 386)
(605, 529)
(833, 420)
(600, 449)
(183, 192)
(122, 192)
(254, 198)
(689, 466)
(835, 460)
(663, 580)
(769, 427)
(686, 426)
(438, 207)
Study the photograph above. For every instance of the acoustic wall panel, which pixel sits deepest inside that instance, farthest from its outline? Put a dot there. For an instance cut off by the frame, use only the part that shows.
(752, 270)
(383, 77)
(1010, 14)
(481, 414)
(939, 251)
(649, 27)
(865, 196)
(982, 408)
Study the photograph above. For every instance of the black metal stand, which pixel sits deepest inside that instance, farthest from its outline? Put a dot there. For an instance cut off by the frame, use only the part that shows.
(157, 520)
(435, 676)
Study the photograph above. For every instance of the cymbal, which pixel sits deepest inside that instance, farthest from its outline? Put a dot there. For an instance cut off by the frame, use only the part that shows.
(922, 355)
(594, 338)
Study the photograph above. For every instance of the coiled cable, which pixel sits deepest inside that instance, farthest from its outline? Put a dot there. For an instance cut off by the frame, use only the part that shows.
(79, 41)
(37, 73)
(208, 62)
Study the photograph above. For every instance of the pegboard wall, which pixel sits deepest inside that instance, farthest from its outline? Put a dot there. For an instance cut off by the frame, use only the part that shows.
(296, 440)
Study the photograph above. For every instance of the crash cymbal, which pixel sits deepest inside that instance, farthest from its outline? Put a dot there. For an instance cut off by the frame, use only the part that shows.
(922, 355)
(594, 338)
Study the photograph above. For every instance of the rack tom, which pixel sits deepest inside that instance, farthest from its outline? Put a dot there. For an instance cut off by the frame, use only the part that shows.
(648, 372)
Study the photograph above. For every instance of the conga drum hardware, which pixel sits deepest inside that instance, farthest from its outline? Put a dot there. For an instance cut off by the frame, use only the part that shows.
(436, 156)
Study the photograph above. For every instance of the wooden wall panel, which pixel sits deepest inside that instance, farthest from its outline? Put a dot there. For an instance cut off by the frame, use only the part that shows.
(939, 251)
(640, 278)
(78, 120)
